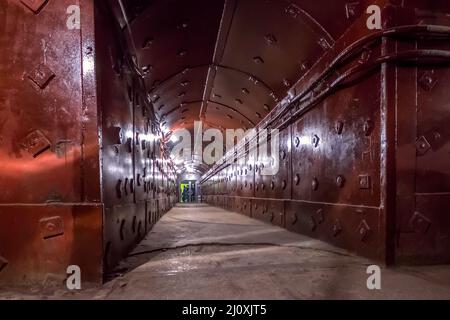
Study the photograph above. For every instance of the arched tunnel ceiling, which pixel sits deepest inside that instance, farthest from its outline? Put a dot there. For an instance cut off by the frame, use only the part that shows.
(226, 62)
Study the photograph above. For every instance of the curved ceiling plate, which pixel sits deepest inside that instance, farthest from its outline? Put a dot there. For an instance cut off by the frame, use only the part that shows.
(242, 92)
(273, 44)
(185, 87)
(171, 35)
(226, 117)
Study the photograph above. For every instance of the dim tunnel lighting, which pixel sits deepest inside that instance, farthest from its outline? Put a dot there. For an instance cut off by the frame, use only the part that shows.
(96, 147)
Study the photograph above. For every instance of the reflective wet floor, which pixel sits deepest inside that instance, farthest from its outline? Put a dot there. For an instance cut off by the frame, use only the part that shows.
(202, 252)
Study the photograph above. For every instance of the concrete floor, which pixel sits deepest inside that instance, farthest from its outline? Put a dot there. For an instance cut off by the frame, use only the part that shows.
(202, 252)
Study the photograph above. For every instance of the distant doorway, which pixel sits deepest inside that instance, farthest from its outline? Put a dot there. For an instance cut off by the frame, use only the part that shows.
(188, 192)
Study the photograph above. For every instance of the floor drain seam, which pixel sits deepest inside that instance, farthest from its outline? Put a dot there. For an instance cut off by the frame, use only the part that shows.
(236, 244)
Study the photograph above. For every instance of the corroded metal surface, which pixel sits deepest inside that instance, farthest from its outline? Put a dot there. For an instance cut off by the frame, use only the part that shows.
(50, 209)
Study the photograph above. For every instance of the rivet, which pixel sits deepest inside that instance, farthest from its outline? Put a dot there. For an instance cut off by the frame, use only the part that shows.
(41, 76)
(305, 65)
(315, 184)
(146, 69)
(339, 127)
(352, 9)
(182, 53)
(427, 81)
(119, 189)
(337, 229)
(270, 38)
(422, 146)
(363, 230)
(320, 216)
(155, 98)
(294, 219)
(286, 83)
(419, 223)
(340, 181)
(364, 182)
(3, 263)
(368, 127)
(183, 24)
(147, 42)
(122, 230)
(274, 96)
(324, 44)
(293, 10)
(258, 60)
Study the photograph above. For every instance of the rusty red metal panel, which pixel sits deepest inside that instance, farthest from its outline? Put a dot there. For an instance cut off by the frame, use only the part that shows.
(51, 238)
(351, 227)
(40, 105)
(50, 209)
(423, 172)
(336, 148)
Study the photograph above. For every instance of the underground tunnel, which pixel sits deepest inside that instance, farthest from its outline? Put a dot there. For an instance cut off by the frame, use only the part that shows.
(275, 149)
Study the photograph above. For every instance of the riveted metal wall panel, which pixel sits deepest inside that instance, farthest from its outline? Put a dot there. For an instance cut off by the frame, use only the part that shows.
(243, 206)
(280, 183)
(51, 238)
(50, 210)
(336, 148)
(270, 211)
(424, 147)
(262, 181)
(351, 227)
(40, 104)
(427, 240)
(259, 209)
(433, 132)
(134, 171)
(245, 180)
(117, 233)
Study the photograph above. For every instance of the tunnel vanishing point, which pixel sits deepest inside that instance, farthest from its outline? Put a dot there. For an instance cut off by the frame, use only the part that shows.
(91, 93)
